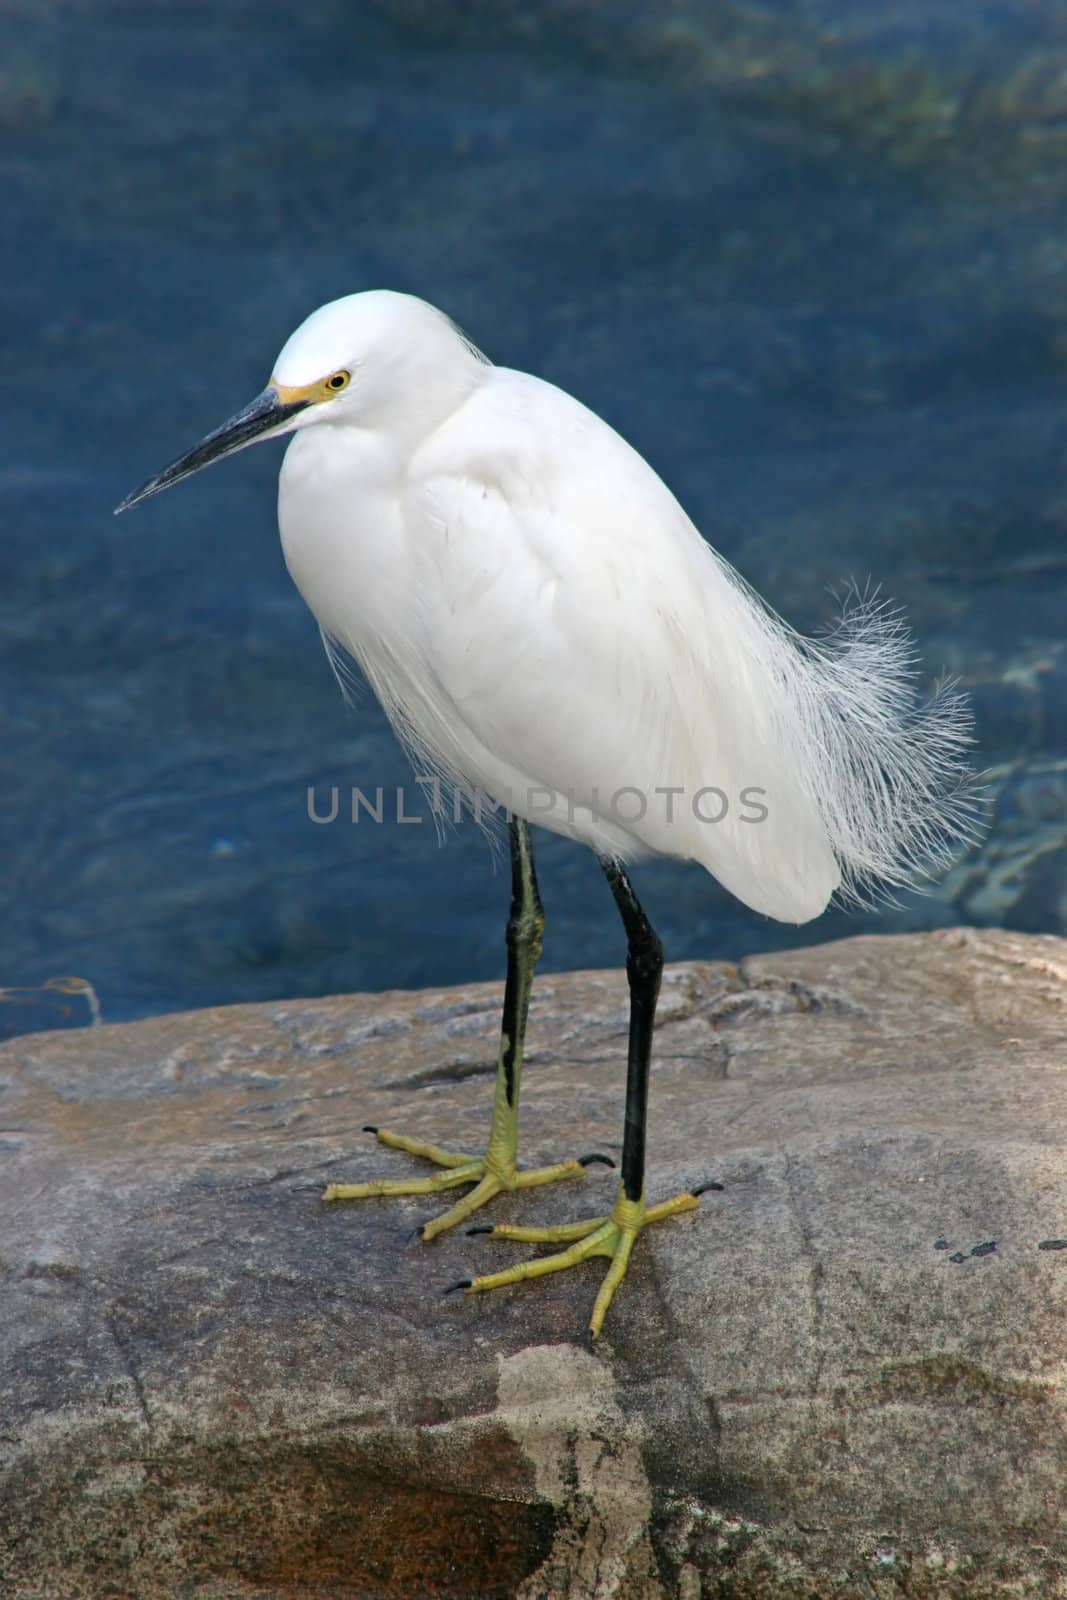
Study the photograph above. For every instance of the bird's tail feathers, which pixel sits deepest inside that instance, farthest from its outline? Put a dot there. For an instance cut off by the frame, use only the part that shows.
(886, 770)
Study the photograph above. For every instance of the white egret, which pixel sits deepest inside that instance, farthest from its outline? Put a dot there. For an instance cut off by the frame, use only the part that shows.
(545, 626)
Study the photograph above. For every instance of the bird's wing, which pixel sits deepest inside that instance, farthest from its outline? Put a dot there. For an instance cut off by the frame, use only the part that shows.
(580, 638)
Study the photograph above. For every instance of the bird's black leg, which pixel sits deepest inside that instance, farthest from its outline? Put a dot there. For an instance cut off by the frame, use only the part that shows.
(644, 969)
(525, 931)
(498, 1169)
(612, 1236)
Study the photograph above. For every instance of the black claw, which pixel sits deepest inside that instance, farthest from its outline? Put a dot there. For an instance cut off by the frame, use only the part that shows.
(301, 1188)
(482, 1229)
(464, 1283)
(368, 1127)
(704, 1187)
(589, 1337)
(587, 1161)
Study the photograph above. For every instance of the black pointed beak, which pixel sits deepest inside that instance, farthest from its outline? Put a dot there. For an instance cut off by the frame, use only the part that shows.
(266, 413)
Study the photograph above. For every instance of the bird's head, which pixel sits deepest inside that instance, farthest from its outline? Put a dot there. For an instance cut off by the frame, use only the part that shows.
(376, 359)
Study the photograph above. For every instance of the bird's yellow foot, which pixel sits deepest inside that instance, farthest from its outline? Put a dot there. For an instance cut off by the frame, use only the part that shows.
(612, 1236)
(492, 1174)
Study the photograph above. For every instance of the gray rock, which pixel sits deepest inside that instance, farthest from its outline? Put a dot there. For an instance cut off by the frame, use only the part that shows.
(843, 1375)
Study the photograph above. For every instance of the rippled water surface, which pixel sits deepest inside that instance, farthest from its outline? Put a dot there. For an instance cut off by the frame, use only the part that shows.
(813, 267)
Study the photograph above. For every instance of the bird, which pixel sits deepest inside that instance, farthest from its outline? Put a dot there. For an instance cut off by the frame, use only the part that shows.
(546, 627)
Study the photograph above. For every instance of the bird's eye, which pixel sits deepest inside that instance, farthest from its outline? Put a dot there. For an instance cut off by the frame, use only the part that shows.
(338, 381)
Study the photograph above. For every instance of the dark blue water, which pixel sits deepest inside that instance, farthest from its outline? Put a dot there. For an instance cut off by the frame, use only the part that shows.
(812, 266)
